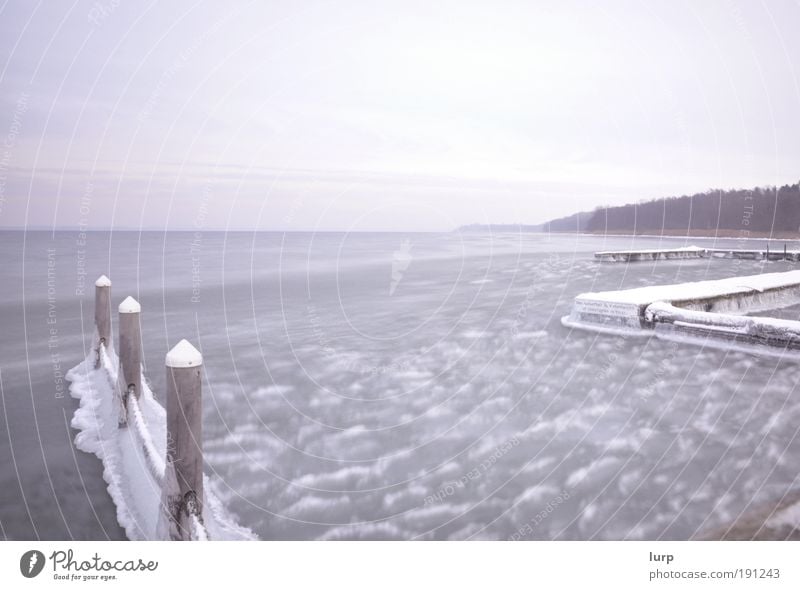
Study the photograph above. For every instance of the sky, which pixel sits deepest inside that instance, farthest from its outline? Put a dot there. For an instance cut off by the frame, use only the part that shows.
(386, 116)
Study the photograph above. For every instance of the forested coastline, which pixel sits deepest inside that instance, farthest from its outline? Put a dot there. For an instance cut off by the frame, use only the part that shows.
(762, 210)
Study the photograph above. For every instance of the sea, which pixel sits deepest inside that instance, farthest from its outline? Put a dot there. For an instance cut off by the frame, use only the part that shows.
(399, 386)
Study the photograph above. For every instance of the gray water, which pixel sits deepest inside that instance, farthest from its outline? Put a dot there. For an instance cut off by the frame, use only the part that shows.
(399, 386)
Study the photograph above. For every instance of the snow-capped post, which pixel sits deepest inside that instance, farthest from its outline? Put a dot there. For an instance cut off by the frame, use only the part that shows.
(102, 314)
(129, 380)
(182, 496)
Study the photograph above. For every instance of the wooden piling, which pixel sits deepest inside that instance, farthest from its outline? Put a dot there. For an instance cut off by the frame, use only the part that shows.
(182, 497)
(102, 315)
(129, 381)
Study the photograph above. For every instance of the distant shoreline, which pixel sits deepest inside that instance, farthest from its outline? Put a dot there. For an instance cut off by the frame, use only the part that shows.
(722, 233)
(672, 234)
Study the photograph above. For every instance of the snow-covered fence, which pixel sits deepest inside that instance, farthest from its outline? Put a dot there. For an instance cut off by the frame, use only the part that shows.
(152, 457)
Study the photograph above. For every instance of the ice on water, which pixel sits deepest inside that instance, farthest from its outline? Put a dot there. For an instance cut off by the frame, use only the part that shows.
(353, 397)
(460, 408)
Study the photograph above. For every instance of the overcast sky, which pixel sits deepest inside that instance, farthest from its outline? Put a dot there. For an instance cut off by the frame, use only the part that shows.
(370, 115)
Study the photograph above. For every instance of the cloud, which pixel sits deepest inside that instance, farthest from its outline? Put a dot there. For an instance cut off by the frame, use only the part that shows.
(512, 115)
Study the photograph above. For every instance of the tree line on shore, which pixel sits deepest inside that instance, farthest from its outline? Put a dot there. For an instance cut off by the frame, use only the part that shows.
(762, 209)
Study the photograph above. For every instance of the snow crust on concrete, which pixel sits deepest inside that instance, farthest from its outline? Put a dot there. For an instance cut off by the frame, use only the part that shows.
(652, 251)
(722, 322)
(699, 290)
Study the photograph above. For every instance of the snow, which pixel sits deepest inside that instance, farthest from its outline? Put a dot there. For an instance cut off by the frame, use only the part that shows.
(276, 389)
(198, 530)
(653, 251)
(754, 326)
(371, 531)
(344, 479)
(591, 471)
(184, 355)
(664, 311)
(132, 457)
(530, 335)
(536, 494)
(103, 281)
(789, 516)
(699, 289)
(130, 305)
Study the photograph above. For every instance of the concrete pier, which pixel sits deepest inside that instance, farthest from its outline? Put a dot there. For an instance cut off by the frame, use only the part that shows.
(694, 252)
(645, 255)
(712, 309)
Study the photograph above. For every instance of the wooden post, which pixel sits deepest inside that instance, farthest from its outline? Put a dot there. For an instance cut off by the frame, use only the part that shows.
(784, 251)
(182, 495)
(129, 379)
(102, 315)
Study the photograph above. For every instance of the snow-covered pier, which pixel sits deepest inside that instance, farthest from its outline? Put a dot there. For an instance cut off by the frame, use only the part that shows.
(641, 255)
(706, 309)
(690, 252)
(159, 489)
